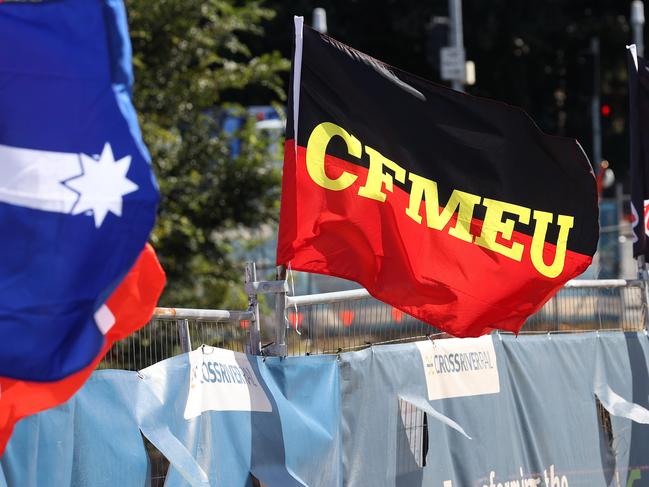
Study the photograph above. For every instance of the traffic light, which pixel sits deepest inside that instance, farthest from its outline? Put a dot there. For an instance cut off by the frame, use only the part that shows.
(613, 113)
(605, 110)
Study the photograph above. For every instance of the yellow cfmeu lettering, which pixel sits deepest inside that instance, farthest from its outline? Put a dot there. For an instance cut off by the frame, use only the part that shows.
(376, 178)
(500, 217)
(426, 189)
(542, 219)
(316, 149)
(494, 224)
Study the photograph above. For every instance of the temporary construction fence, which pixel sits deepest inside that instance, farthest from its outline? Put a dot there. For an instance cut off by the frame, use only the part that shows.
(563, 410)
(347, 321)
(352, 320)
(395, 382)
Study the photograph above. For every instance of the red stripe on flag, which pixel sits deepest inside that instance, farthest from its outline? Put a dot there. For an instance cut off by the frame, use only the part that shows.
(132, 304)
(458, 286)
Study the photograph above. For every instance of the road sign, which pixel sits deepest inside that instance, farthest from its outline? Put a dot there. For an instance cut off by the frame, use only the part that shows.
(452, 62)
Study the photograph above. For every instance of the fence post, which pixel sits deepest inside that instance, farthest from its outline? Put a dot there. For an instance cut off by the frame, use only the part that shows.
(645, 299)
(254, 345)
(183, 333)
(555, 310)
(279, 347)
(642, 275)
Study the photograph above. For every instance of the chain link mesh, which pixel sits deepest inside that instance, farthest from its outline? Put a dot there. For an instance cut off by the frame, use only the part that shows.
(355, 324)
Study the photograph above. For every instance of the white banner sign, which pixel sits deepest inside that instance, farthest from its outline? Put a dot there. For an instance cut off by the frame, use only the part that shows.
(222, 380)
(459, 367)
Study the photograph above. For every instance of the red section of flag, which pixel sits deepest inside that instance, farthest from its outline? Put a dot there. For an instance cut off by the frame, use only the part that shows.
(458, 286)
(132, 304)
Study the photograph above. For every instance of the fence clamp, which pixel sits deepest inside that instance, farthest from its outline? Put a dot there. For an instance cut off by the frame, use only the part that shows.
(266, 287)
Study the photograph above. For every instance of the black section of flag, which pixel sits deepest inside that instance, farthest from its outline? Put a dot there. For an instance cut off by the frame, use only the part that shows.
(462, 142)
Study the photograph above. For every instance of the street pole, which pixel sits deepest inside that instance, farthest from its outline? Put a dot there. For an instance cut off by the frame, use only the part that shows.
(456, 34)
(595, 105)
(637, 25)
(320, 20)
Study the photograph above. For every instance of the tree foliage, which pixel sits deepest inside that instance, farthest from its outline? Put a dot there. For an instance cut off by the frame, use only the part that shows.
(192, 64)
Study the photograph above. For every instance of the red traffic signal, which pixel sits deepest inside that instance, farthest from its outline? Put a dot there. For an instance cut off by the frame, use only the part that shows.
(605, 110)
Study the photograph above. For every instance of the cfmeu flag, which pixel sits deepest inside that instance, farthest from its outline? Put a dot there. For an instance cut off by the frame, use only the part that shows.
(77, 194)
(455, 209)
(639, 153)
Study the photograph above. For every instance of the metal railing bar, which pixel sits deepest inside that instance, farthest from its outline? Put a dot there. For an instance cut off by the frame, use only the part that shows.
(572, 331)
(356, 294)
(327, 298)
(202, 314)
(603, 283)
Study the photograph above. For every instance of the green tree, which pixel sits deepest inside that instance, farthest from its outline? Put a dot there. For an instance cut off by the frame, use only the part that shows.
(192, 63)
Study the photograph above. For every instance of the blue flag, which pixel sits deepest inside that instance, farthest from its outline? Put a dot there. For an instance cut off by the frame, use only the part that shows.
(77, 193)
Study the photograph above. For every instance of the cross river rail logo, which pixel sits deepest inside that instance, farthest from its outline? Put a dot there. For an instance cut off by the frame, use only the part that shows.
(211, 371)
(223, 380)
(460, 367)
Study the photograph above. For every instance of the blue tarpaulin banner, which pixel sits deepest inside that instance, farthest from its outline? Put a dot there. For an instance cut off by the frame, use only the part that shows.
(219, 417)
(495, 411)
(501, 411)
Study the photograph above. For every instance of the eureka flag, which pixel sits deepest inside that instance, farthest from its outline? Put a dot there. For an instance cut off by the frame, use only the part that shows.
(77, 194)
(455, 209)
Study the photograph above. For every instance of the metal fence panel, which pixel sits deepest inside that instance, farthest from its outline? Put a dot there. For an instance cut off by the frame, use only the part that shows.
(585, 309)
(344, 326)
(161, 339)
(336, 322)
